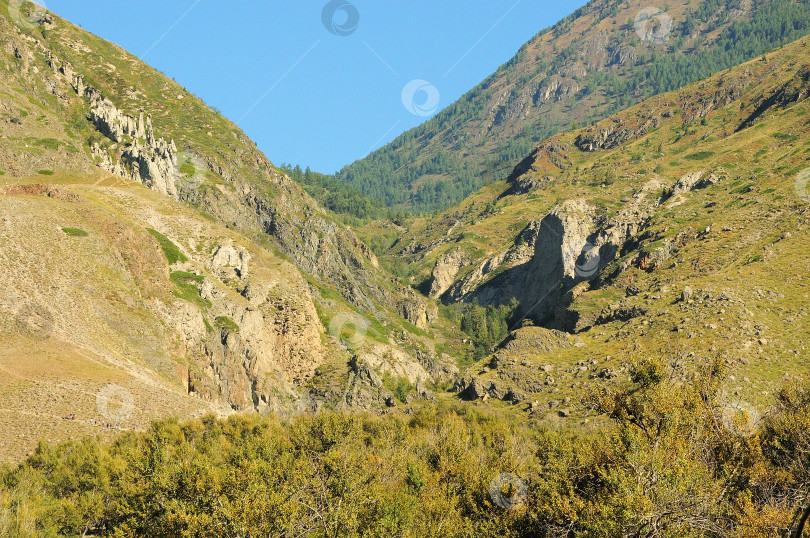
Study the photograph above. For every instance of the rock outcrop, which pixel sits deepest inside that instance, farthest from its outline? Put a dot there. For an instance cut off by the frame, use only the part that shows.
(559, 241)
(613, 135)
(228, 261)
(419, 312)
(444, 272)
(135, 153)
(570, 245)
(556, 88)
(259, 340)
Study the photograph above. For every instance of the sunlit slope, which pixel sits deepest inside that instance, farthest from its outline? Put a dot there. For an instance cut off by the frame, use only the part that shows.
(676, 229)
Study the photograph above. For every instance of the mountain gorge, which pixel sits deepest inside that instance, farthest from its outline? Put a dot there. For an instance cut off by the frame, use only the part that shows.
(649, 232)
(602, 332)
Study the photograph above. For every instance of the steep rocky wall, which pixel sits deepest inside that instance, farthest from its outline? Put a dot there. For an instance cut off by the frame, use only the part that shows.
(135, 153)
(258, 340)
(567, 246)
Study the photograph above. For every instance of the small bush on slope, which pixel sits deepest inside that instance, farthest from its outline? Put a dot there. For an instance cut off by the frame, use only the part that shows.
(172, 251)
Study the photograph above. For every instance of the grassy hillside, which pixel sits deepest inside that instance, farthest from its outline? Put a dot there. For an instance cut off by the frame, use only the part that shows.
(150, 235)
(693, 207)
(64, 88)
(588, 66)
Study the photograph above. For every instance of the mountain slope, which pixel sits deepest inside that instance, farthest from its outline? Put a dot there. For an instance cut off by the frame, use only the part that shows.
(588, 66)
(633, 299)
(675, 229)
(121, 115)
(260, 300)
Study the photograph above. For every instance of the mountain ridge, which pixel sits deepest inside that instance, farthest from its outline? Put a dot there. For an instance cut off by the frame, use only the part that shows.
(586, 67)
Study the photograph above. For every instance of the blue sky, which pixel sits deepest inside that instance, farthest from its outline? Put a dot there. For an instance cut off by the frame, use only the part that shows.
(318, 82)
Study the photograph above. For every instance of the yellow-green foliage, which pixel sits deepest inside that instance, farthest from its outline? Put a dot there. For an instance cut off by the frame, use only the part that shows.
(75, 232)
(187, 287)
(666, 467)
(172, 252)
(227, 323)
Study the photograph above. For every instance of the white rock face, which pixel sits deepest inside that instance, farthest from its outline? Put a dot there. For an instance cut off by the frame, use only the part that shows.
(687, 183)
(445, 271)
(148, 160)
(141, 156)
(229, 261)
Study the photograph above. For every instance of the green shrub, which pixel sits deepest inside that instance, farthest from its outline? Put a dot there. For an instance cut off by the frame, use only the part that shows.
(673, 450)
(400, 386)
(699, 156)
(48, 143)
(75, 232)
(187, 287)
(45, 172)
(188, 169)
(225, 322)
(170, 250)
(744, 189)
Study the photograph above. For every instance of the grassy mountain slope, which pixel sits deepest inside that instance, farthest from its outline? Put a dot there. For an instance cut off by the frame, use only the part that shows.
(674, 229)
(115, 112)
(261, 299)
(588, 66)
